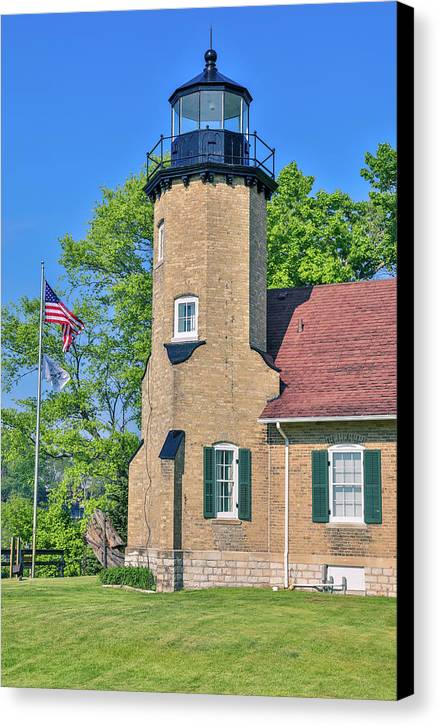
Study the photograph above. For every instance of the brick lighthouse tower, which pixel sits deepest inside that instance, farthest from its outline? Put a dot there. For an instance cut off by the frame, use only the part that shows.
(198, 483)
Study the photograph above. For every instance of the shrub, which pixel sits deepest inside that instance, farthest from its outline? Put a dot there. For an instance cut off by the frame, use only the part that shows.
(133, 576)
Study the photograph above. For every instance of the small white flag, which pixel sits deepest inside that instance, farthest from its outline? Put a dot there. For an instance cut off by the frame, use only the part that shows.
(54, 374)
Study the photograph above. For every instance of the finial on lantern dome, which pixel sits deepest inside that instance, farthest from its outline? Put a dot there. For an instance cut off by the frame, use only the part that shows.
(210, 55)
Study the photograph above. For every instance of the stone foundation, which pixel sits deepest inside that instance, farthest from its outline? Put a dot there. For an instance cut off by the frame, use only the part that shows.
(377, 580)
(192, 570)
(380, 581)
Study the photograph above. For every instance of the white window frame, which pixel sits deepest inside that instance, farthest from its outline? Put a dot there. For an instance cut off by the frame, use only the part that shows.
(160, 241)
(234, 513)
(341, 449)
(191, 334)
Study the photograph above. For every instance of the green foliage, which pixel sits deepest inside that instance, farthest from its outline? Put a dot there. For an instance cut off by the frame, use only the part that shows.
(328, 237)
(88, 431)
(17, 517)
(133, 576)
(57, 530)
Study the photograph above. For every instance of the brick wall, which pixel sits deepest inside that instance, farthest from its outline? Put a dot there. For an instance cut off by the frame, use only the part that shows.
(347, 544)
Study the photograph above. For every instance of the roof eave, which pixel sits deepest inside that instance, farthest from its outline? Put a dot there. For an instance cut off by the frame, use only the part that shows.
(315, 419)
(205, 85)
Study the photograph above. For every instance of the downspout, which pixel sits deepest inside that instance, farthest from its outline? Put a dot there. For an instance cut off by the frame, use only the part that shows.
(286, 440)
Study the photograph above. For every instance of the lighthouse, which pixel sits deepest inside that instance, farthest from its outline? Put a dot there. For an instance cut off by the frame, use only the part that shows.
(198, 485)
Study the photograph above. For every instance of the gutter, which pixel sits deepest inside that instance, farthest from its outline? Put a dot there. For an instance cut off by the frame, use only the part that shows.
(286, 495)
(304, 419)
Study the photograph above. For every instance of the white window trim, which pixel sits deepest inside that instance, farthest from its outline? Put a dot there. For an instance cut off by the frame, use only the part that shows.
(160, 241)
(342, 448)
(234, 513)
(192, 334)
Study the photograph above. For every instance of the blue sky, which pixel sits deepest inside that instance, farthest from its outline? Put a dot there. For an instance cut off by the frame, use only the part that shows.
(84, 96)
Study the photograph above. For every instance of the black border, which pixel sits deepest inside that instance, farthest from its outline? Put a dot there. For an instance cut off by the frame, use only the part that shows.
(405, 334)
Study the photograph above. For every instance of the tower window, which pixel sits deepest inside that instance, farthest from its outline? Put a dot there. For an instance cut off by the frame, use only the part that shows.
(186, 318)
(160, 241)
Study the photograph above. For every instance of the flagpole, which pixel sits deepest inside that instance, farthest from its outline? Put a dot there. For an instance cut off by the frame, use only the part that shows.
(37, 433)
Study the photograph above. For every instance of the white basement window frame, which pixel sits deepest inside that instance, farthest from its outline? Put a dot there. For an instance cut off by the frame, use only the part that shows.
(186, 318)
(226, 480)
(346, 483)
(160, 241)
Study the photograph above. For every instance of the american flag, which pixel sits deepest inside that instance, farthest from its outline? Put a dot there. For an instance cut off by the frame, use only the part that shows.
(56, 312)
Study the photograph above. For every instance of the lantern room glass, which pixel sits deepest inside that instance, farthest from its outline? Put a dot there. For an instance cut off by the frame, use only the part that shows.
(232, 112)
(189, 113)
(210, 109)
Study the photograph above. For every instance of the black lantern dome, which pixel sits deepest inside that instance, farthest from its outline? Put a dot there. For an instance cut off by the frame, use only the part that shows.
(211, 81)
(210, 128)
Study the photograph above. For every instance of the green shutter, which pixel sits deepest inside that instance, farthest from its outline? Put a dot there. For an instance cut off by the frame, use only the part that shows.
(372, 487)
(245, 484)
(320, 486)
(209, 482)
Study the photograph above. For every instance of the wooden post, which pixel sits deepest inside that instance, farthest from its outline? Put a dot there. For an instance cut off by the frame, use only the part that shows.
(11, 556)
(105, 541)
(17, 557)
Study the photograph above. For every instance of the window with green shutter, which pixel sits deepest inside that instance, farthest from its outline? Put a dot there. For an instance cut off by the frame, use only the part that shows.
(209, 482)
(372, 487)
(320, 486)
(245, 485)
(227, 482)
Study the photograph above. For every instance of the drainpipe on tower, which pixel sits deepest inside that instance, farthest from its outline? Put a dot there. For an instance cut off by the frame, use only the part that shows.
(286, 440)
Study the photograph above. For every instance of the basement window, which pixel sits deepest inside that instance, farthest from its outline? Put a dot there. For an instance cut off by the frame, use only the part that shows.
(186, 318)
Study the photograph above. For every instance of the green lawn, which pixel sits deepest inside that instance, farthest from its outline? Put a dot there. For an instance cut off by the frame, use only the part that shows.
(73, 633)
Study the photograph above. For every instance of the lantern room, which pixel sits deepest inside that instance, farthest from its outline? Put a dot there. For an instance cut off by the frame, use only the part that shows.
(210, 119)
(210, 135)
(210, 101)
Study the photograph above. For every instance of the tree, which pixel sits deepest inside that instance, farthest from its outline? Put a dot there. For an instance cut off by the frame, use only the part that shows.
(328, 237)
(89, 429)
(17, 517)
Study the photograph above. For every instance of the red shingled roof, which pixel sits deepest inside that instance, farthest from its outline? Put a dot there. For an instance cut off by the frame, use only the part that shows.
(336, 347)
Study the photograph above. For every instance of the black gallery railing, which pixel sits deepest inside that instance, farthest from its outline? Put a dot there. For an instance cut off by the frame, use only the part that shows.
(211, 146)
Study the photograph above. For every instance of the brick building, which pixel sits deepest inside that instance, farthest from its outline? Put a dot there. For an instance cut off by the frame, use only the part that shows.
(268, 452)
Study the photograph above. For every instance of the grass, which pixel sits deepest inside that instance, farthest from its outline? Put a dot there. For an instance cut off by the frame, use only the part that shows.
(73, 633)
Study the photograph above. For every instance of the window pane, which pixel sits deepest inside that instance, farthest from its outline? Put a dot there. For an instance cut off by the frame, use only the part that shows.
(181, 317)
(189, 112)
(244, 117)
(347, 501)
(338, 468)
(211, 109)
(232, 112)
(186, 317)
(357, 478)
(347, 468)
(338, 504)
(176, 118)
